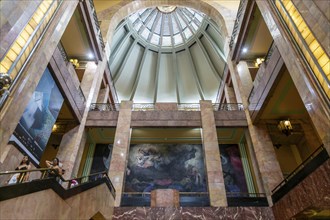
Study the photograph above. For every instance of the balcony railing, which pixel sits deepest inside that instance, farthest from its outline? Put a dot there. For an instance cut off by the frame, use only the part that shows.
(238, 22)
(316, 159)
(104, 107)
(96, 21)
(228, 107)
(189, 107)
(143, 107)
(43, 174)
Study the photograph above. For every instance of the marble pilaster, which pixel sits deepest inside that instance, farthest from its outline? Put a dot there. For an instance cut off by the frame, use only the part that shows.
(216, 184)
(121, 149)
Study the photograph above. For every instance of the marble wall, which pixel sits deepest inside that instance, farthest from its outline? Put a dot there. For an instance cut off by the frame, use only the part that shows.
(191, 213)
(49, 205)
(313, 191)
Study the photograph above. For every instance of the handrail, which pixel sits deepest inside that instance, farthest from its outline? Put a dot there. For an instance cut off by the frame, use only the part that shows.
(316, 152)
(238, 20)
(104, 107)
(246, 194)
(70, 182)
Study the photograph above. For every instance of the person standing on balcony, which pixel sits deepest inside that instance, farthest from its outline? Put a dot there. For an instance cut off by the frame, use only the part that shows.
(21, 177)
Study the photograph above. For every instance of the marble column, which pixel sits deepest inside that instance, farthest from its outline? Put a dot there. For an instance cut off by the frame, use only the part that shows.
(230, 94)
(245, 76)
(269, 166)
(89, 74)
(216, 184)
(121, 149)
(73, 142)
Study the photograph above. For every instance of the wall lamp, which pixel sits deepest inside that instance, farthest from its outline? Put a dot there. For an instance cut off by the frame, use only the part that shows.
(285, 127)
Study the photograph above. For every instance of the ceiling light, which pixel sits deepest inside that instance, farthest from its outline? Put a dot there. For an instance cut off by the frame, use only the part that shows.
(244, 50)
(90, 56)
(285, 127)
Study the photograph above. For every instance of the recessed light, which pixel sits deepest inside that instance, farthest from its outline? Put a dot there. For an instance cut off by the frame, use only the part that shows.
(244, 50)
(90, 56)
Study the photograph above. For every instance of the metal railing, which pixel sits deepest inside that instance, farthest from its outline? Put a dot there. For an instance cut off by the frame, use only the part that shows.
(238, 21)
(245, 194)
(32, 42)
(143, 107)
(189, 107)
(44, 173)
(299, 168)
(96, 21)
(228, 107)
(104, 107)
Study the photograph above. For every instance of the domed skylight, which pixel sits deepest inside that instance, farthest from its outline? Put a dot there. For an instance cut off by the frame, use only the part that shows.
(166, 26)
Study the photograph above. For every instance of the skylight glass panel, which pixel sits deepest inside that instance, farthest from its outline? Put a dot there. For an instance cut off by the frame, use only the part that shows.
(187, 33)
(178, 39)
(158, 26)
(166, 29)
(155, 39)
(199, 17)
(166, 41)
(195, 27)
(133, 17)
(166, 26)
(145, 33)
(138, 25)
(175, 26)
(152, 20)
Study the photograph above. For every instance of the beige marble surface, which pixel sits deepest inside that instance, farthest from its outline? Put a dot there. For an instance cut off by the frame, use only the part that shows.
(213, 165)
(47, 204)
(120, 149)
(165, 198)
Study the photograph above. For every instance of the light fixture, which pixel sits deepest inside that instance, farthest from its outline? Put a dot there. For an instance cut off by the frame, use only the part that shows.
(259, 61)
(244, 50)
(74, 62)
(54, 128)
(285, 127)
(5, 81)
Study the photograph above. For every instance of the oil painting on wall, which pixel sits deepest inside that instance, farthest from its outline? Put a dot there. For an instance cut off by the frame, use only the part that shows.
(232, 168)
(165, 166)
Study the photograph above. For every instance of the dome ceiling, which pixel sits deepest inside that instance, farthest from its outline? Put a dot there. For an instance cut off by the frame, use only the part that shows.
(167, 54)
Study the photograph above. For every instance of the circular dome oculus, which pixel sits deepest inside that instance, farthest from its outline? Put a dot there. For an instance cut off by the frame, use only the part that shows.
(166, 26)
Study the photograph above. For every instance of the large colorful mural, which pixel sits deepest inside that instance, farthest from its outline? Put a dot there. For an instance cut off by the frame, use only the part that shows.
(232, 168)
(35, 126)
(165, 166)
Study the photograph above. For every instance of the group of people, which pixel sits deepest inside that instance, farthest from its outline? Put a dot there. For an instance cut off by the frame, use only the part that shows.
(54, 165)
